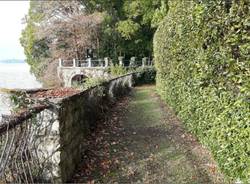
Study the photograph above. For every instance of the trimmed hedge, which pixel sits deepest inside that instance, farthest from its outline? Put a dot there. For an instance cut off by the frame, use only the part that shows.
(202, 54)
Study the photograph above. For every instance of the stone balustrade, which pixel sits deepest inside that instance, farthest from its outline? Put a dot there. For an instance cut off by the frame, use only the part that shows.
(94, 68)
(104, 63)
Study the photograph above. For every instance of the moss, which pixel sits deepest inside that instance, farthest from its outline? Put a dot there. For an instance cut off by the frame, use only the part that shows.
(143, 110)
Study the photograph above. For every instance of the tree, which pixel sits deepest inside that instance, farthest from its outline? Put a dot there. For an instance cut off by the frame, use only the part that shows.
(58, 29)
(35, 49)
(128, 26)
(69, 29)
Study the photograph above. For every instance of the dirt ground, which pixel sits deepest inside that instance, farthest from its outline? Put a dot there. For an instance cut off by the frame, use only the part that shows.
(142, 141)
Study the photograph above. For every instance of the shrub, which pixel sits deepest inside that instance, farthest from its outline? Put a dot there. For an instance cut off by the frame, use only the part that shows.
(89, 82)
(146, 75)
(19, 101)
(202, 54)
(117, 70)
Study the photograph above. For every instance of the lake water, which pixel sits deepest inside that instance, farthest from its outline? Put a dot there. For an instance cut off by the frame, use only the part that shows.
(13, 76)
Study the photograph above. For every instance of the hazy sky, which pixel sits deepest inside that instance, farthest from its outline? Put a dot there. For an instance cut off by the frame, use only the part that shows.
(11, 14)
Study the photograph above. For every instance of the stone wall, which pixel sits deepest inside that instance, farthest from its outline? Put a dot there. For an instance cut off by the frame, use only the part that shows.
(78, 116)
(52, 136)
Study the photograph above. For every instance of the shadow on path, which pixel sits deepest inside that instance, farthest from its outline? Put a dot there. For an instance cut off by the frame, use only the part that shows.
(142, 141)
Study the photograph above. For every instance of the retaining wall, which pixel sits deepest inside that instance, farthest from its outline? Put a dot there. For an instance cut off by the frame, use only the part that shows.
(78, 116)
(45, 144)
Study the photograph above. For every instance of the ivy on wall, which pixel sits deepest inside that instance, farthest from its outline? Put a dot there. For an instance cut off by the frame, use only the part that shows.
(202, 54)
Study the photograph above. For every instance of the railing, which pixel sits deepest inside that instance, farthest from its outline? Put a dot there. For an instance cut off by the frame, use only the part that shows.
(106, 62)
(88, 63)
(24, 143)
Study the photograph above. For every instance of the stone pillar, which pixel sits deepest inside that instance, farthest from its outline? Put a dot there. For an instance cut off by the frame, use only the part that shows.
(106, 60)
(60, 62)
(100, 63)
(74, 62)
(89, 62)
(132, 61)
(120, 59)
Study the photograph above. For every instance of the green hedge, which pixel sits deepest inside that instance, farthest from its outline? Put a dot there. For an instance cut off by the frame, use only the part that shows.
(202, 54)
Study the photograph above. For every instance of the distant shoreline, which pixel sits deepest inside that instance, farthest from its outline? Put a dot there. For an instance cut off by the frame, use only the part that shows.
(12, 61)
